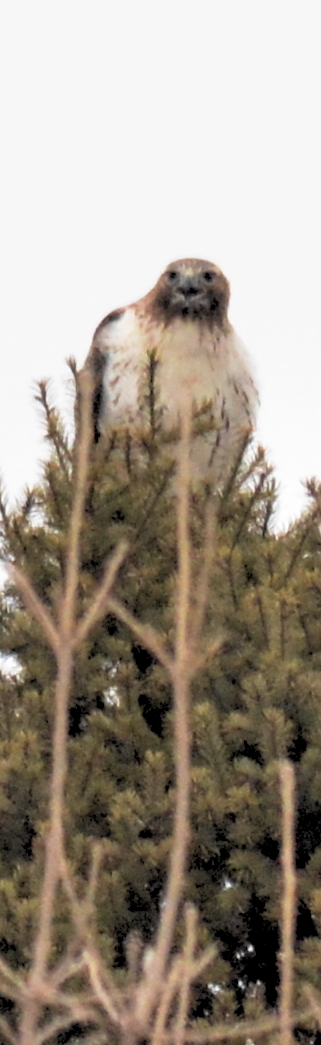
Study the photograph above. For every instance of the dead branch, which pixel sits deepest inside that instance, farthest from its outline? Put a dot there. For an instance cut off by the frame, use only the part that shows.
(287, 782)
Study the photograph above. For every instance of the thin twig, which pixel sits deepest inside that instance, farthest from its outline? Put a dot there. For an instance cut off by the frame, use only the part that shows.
(101, 993)
(144, 632)
(7, 1031)
(187, 965)
(222, 1032)
(169, 989)
(54, 847)
(183, 972)
(183, 543)
(68, 967)
(244, 1029)
(99, 604)
(52, 1027)
(91, 957)
(54, 843)
(180, 672)
(287, 783)
(36, 607)
(9, 974)
(201, 599)
(77, 514)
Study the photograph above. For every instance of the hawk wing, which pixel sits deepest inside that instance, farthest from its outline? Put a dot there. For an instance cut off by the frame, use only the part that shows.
(97, 361)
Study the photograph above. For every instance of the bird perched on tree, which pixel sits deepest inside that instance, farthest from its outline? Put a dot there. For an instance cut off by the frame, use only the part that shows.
(173, 346)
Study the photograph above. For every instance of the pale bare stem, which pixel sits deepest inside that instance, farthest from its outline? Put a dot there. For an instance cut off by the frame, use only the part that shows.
(81, 914)
(53, 850)
(187, 973)
(205, 656)
(243, 1029)
(183, 541)
(78, 1014)
(54, 843)
(90, 955)
(76, 907)
(184, 970)
(204, 577)
(15, 981)
(221, 1032)
(147, 635)
(7, 1031)
(66, 968)
(99, 604)
(36, 607)
(180, 672)
(287, 782)
(84, 1001)
(80, 909)
(99, 989)
(169, 990)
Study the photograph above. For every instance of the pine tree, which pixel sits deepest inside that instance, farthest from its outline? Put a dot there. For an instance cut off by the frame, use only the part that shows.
(255, 700)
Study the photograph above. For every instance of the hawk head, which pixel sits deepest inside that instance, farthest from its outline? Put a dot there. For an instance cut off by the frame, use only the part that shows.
(191, 289)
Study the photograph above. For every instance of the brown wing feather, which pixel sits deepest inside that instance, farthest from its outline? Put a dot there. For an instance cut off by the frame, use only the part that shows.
(97, 361)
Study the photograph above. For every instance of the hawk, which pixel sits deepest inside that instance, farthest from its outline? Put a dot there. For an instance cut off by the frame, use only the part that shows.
(175, 345)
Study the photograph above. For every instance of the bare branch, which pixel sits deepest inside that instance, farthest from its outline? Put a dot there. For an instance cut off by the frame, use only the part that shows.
(99, 605)
(68, 966)
(244, 1029)
(144, 632)
(223, 1032)
(180, 672)
(183, 542)
(203, 580)
(187, 972)
(36, 607)
(90, 955)
(288, 904)
(15, 981)
(96, 859)
(7, 1031)
(54, 848)
(52, 1027)
(100, 991)
(54, 843)
(169, 989)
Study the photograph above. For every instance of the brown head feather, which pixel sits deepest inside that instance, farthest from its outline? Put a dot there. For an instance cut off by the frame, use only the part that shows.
(191, 289)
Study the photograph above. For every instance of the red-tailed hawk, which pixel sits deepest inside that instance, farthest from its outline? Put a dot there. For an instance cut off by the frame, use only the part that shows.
(173, 345)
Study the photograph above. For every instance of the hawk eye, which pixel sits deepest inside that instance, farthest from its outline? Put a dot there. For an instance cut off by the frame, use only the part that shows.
(172, 274)
(208, 276)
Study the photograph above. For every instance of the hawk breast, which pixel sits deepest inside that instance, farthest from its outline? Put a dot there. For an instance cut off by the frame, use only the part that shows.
(192, 363)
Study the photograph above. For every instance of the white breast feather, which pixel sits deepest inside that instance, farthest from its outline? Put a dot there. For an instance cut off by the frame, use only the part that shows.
(193, 363)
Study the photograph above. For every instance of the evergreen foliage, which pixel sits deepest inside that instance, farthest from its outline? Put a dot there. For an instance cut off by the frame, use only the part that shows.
(255, 701)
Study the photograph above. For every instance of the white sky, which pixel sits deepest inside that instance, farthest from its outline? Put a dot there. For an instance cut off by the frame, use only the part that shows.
(134, 133)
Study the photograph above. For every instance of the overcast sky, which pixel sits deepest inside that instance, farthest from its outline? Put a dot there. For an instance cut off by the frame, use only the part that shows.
(136, 133)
